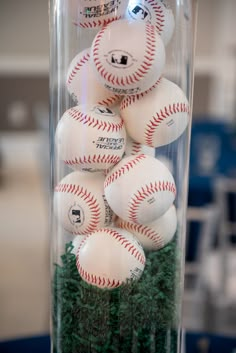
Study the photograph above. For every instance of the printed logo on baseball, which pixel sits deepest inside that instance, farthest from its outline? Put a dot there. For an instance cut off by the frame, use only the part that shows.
(157, 117)
(110, 257)
(79, 203)
(155, 12)
(122, 65)
(92, 14)
(140, 189)
(90, 138)
(155, 235)
(91, 91)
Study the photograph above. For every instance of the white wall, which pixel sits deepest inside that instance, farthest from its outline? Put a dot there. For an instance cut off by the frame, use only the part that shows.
(215, 55)
(24, 27)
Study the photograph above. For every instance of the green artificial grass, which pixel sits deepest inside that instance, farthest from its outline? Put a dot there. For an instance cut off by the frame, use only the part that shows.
(138, 317)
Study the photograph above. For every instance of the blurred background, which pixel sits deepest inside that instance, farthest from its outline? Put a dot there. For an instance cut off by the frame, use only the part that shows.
(210, 286)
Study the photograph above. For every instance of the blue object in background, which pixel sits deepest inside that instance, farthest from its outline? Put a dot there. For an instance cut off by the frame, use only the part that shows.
(212, 154)
(211, 149)
(39, 344)
(194, 343)
(209, 343)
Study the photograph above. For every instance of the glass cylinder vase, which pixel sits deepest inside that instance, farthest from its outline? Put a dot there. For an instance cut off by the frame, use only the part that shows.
(121, 82)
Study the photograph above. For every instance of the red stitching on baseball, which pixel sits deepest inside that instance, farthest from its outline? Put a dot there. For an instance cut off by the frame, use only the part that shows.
(85, 58)
(78, 66)
(98, 23)
(159, 14)
(136, 147)
(89, 199)
(122, 170)
(142, 229)
(98, 280)
(141, 71)
(145, 192)
(128, 100)
(129, 246)
(110, 100)
(90, 121)
(91, 159)
(160, 117)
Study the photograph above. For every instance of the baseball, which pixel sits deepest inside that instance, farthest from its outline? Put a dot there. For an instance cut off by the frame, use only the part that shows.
(76, 243)
(157, 117)
(156, 12)
(79, 203)
(167, 161)
(139, 189)
(155, 235)
(83, 86)
(110, 257)
(132, 147)
(90, 138)
(93, 13)
(123, 66)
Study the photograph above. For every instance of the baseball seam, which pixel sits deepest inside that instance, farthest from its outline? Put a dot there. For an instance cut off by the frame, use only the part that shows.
(135, 77)
(89, 200)
(146, 191)
(83, 60)
(159, 14)
(136, 147)
(122, 170)
(160, 116)
(92, 159)
(79, 64)
(160, 17)
(93, 279)
(99, 280)
(93, 122)
(98, 23)
(110, 100)
(128, 100)
(152, 235)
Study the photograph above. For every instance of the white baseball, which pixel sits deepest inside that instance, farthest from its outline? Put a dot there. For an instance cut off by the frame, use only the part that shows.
(83, 85)
(93, 13)
(167, 161)
(90, 138)
(156, 12)
(154, 235)
(124, 65)
(157, 117)
(132, 147)
(76, 243)
(79, 203)
(110, 257)
(140, 189)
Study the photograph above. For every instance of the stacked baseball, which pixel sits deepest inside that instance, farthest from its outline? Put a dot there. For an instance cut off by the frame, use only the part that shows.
(118, 199)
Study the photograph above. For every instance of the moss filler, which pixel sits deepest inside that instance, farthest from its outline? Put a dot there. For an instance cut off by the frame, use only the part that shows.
(138, 317)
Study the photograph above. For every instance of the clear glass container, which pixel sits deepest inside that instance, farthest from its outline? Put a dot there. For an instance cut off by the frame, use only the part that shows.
(121, 82)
